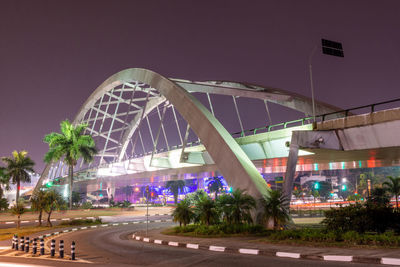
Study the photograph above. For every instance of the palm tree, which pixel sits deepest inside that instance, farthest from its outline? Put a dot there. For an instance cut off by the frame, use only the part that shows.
(17, 169)
(71, 144)
(394, 188)
(18, 210)
(52, 201)
(216, 185)
(38, 201)
(206, 210)
(3, 204)
(175, 186)
(237, 207)
(183, 213)
(4, 182)
(274, 208)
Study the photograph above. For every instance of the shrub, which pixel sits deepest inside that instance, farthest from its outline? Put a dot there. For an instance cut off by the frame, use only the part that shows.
(3, 204)
(87, 205)
(362, 218)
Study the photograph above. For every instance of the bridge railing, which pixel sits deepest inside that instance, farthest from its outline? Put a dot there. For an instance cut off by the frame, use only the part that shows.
(323, 117)
(359, 110)
(274, 127)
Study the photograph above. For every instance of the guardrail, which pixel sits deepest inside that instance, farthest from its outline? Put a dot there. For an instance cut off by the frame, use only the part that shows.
(318, 118)
(278, 126)
(347, 112)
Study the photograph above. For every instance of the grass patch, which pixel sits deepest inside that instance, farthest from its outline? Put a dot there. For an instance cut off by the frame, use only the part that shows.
(8, 233)
(323, 237)
(218, 230)
(81, 222)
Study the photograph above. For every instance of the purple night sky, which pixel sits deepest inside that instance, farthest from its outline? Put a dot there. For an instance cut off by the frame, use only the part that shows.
(53, 54)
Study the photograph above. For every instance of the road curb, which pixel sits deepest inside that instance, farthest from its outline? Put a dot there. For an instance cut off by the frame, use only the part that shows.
(283, 254)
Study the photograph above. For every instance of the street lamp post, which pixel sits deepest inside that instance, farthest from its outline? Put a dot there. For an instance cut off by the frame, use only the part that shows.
(311, 81)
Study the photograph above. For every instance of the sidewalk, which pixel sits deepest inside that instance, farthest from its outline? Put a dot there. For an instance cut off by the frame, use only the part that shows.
(251, 246)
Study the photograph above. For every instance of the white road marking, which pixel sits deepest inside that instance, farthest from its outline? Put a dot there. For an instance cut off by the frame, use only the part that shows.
(193, 246)
(216, 248)
(248, 251)
(146, 239)
(158, 241)
(288, 255)
(337, 258)
(3, 264)
(174, 244)
(10, 222)
(392, 261)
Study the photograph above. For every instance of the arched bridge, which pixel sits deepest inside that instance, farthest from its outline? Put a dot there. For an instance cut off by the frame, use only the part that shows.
(119, 116)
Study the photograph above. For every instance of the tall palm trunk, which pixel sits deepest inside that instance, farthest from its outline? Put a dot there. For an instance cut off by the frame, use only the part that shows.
(71, 177)
(40, 217)
(397, 200)
(18, 221)
(18, 186)
(48, 219)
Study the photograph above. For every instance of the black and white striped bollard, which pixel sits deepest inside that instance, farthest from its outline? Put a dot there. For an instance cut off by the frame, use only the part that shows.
(41, 246)
(13, 241)
(53, 248)
(16, 242)
(73, 250)
(34, 247)
(27, 244)
(22, 243)
(61, 249)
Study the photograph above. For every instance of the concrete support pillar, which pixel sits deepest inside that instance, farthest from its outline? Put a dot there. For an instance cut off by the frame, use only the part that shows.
(291, 167)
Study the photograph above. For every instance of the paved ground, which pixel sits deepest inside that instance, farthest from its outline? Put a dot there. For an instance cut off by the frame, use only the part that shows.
(112, 247)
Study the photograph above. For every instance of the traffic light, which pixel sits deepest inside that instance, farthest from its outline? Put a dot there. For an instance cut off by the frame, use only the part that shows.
(49, 184)
(344, 187)
(316, 186)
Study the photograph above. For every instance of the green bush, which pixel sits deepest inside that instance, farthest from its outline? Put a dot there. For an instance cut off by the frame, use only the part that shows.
(3, 204)
(368, 217)
(87, 205)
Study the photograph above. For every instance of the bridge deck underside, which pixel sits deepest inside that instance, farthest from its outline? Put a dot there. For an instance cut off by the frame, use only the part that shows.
(322, 159)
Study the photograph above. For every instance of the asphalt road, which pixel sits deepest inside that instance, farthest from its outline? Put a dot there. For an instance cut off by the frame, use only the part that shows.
(105, 219)
(112, 246)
